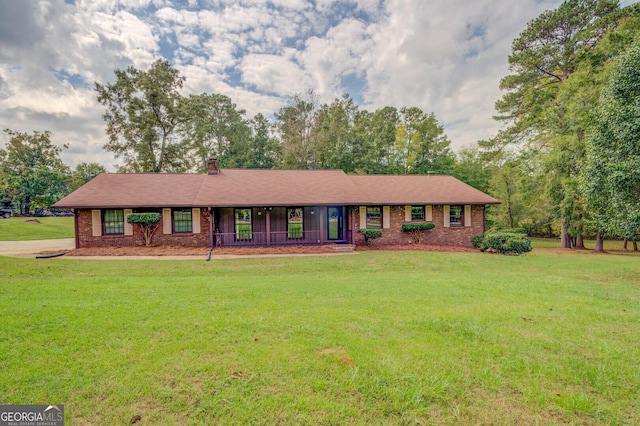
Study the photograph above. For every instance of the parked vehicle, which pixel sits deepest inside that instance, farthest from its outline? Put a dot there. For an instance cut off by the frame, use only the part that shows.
(5, 213)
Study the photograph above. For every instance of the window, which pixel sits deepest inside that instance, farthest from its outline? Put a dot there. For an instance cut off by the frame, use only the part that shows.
(456, 215)
(417, 213)
(295, 223)
(182, 222)
(244, 230)
(374, 217)
(113, 222)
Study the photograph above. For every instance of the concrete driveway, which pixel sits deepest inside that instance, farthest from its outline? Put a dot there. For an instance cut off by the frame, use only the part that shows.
(31, 248)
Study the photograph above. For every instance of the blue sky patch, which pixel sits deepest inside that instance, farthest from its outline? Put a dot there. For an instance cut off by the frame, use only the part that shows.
(76, 80)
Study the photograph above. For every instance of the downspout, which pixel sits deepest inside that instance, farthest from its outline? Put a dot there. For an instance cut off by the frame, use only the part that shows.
(210, 234)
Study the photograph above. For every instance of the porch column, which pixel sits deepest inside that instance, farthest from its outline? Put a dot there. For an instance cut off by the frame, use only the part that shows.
(322, 214)
(267, 218)
(211, 228)
(352, 218)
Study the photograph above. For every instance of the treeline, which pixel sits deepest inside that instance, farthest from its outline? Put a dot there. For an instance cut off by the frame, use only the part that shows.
(33, 175)
(152, 128)
(567, 158)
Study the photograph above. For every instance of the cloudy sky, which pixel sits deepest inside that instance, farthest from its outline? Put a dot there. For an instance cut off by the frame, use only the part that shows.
(444, 56)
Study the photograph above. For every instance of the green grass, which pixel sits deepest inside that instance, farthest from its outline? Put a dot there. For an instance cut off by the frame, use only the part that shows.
(36, 228)
(609, 245)
(375, 338)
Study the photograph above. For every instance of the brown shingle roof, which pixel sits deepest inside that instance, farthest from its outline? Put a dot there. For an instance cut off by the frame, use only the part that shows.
(114, 190)
(249, 187)
(419, 189)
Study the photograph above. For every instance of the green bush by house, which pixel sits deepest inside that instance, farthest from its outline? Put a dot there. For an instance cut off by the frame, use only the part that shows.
(148, 223)
(505, 241)
(370, 234)
(417, 230)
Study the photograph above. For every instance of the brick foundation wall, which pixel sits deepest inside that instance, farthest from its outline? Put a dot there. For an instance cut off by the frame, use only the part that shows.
(85, 236)
(440, 235)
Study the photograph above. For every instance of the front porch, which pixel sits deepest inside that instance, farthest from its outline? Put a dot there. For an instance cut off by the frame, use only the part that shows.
(281, 226)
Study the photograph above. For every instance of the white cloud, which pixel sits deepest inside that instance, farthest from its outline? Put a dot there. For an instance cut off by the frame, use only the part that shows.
(274, 74)
(444, 57)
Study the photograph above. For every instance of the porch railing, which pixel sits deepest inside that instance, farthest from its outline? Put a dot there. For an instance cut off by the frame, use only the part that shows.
(277, 238)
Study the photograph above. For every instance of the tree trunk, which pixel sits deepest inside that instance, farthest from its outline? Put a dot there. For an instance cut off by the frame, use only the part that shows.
(599, 242)
(580, 241)
(565, 238)
(625, 244)
(635, 245)
(510, 212)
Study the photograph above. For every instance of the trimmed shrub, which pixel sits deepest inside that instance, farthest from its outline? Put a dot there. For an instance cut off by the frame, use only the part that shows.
(502, 241)
(417, 230)
(147, 222)
(370, 234)
(477, 241)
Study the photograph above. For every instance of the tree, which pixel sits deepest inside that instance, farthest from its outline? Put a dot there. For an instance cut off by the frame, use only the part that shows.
(146, 222)
(143, 115)
(428, 148)
(612, 180)
(471, 168)
(333, 134)
(216, 128)
(32, 171)
(296, 124)
(383, 128)
(83, 173)
(264, 150)
(544, 57)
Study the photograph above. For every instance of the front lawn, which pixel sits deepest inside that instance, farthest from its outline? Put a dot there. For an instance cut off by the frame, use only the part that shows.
(373, 338)
(36, 228)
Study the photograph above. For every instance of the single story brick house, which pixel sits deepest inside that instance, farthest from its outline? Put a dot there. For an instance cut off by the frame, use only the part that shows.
(248, 207)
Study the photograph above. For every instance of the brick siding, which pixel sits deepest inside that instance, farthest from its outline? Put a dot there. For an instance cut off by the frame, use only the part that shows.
(440, 235)
(85, 236)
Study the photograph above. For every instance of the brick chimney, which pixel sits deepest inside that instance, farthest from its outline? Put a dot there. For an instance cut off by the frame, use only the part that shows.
(213, 168)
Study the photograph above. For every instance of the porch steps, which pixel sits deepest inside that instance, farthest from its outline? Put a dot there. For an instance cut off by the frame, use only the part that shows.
(343, 248)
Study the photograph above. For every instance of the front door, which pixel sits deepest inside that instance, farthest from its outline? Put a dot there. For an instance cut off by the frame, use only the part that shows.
(335, 223)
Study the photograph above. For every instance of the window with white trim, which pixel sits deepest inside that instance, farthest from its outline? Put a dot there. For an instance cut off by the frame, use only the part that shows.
(374, 217)
(113, 222)
(182, 221)
(417, 213)
(456, 215)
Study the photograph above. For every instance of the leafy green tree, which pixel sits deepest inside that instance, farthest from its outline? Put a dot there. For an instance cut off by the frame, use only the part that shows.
(143, 115)
(361, 142)
(32, 171)
(147, 223)
(612, 178)
(471, 168)
(83, 173)
(421, 145)
(333, 137)
(264, 148)
(505, 184)
(544, 57)
(296, 124)
(216, 128)
(383, 128)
